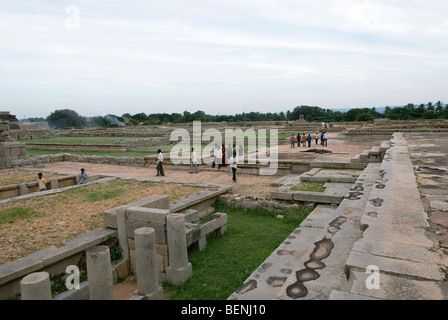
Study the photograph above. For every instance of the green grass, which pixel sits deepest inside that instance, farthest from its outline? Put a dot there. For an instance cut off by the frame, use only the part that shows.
(37, 152)
(226, 262)
(104, 195)
(14, 214)
(80, 140)
(309, 186)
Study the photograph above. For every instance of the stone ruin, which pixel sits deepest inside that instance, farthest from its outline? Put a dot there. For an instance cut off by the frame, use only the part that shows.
(10, 150)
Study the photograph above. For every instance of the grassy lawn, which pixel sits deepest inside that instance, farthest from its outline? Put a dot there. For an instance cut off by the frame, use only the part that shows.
(226, 262)
(37, 152)
(309, 186)
(80, 140)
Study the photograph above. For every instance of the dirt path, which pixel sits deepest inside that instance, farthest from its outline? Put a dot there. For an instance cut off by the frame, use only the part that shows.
(245, 185)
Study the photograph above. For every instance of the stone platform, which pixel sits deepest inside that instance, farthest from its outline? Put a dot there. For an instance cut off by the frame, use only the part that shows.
(378, 234)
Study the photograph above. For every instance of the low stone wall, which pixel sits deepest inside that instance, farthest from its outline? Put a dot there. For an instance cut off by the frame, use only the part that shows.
(29, 134)
(26, 188)
(383, 131)
(52, 260)
(76, 147)
(268, 203)
(284, 166)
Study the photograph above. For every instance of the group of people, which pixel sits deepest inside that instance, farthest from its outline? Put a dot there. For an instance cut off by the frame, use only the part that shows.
(221, 157)
(305, 139)
(42, 182)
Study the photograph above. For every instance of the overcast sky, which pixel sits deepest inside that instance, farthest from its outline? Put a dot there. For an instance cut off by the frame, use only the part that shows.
(219, 56)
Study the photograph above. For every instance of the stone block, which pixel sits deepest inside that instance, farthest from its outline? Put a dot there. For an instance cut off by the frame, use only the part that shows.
(132, 225)
(411, 269)
(18, 268)
(285, 195)
(75, 294)
(150, 215)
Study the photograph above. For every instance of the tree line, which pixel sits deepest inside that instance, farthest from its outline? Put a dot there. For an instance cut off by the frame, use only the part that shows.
(66, 118)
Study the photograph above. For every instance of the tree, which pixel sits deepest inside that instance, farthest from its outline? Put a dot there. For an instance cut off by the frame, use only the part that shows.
(99, 121)
(439, 107)
(66, 118)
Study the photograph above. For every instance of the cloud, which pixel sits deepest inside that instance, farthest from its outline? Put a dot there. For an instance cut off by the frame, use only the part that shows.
(177, 53)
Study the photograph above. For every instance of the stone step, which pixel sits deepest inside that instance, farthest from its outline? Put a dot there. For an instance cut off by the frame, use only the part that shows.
(396, 240)
(393, 287)
(334, 162)
(324, 269)
(334, 193)
(290, 179)
(331, 175)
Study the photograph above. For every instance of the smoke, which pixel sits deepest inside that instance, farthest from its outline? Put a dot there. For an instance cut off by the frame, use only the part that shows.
(114, 119)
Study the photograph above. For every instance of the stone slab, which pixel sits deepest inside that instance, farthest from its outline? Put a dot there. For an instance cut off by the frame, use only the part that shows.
(400, 234)
(396, 250)
(18, 268)
(392, 266)
(150, 215)
(396, 288)
(341, 295)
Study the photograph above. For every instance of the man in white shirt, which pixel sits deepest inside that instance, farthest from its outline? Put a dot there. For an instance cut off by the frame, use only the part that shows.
(219, 157)
(160, 163)
(194, 161)
(325, 139)
(233, 164)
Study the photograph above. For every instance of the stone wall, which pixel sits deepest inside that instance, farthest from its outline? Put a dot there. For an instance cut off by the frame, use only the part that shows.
(29, 133)
(11, 152)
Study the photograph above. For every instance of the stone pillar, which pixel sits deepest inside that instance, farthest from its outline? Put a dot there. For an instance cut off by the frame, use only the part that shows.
(23, 189)
(36, 286)
(147, 273)
(179, 269)
(54, 183)
(122, 226)
(99, 272)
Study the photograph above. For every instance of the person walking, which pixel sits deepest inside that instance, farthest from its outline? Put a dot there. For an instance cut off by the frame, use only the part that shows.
(308, 138)
(193, 161)
(304, 140)
(322, 138)
(159, 166)
(293, 140)
(219, 157)
(316, 137)
(233, 164)
(298, 140)
(325, 140)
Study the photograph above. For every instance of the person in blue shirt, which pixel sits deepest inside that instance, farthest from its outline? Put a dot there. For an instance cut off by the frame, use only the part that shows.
(82, 177)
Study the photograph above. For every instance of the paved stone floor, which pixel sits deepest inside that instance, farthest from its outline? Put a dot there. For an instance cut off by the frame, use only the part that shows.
(429, 156)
